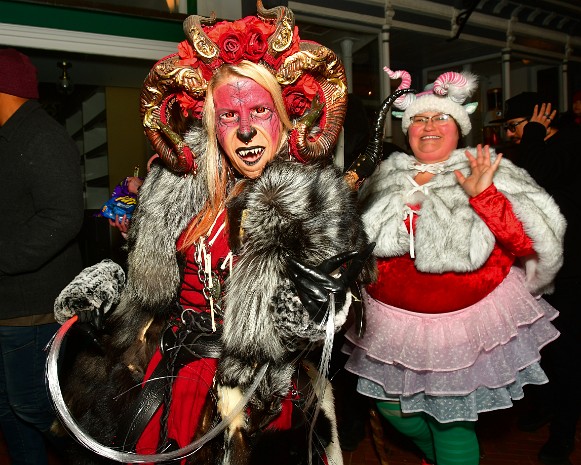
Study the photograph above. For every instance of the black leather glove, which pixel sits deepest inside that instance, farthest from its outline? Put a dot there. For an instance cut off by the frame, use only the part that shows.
(314, 285)
(89, 324)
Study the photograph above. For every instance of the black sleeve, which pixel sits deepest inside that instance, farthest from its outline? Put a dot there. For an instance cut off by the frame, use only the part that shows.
(550, 161)
(53, 174)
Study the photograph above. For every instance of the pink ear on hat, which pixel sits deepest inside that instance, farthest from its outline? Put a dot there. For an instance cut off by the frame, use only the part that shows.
(446, 94)
(17, 74)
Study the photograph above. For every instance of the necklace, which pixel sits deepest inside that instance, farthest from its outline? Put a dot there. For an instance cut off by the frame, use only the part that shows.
(210, 280)
(434, 168)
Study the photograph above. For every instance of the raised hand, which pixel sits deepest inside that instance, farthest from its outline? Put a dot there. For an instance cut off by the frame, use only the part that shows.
(543, 115)
(482, 171)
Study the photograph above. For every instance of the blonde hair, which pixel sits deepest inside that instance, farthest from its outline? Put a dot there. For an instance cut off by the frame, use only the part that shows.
(216, 172)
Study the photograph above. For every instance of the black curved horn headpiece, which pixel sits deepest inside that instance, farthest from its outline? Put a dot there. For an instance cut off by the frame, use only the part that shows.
(365, 163)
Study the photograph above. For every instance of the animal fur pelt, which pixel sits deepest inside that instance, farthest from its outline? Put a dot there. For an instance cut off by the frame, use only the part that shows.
(292, 210)
(306, 212)
(447, 222)
(98, 286)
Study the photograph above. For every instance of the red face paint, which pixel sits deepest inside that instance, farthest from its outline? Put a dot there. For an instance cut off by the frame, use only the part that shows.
(247, 125)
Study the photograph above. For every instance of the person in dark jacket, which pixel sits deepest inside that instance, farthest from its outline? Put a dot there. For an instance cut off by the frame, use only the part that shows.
(42, 213)
(552, 156)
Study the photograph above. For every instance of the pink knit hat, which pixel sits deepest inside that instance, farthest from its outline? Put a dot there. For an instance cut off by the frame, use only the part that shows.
(17, 74)
(446, 94)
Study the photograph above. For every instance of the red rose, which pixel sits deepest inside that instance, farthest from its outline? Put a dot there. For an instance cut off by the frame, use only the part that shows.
(209, 68)
(214, 32)
(189, 105)
(295, 102)
(255, 44)
(187, 54)
(298, 97)
(231, 47)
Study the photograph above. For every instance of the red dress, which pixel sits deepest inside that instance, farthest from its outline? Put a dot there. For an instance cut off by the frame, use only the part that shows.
(193, 381)
(399, 281)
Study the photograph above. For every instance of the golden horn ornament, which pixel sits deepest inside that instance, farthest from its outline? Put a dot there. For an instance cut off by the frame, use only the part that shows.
(207, 49)
(282, 37)
(329, 73)
(165, 78)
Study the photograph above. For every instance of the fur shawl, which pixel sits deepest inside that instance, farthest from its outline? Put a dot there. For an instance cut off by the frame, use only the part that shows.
(304, 211)
(449, 235)
(166, 204)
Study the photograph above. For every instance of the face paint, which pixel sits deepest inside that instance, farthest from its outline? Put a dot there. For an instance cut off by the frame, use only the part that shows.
(247, 125)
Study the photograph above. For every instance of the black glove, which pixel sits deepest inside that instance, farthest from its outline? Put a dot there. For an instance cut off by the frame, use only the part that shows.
(89, 324)
(314, 285)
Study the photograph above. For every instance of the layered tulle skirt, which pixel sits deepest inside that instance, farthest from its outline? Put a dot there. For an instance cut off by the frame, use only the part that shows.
(454, 365)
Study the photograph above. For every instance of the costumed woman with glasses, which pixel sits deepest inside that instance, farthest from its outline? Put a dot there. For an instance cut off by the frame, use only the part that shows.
(243, 248)
(466, 243)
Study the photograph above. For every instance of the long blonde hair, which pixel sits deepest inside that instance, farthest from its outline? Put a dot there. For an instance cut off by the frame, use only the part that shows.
(216, 172)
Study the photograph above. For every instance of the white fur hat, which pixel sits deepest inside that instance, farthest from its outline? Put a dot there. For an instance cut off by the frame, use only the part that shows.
(447, 95)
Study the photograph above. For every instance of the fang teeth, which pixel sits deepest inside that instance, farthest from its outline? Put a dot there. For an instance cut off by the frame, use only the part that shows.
(250, 152)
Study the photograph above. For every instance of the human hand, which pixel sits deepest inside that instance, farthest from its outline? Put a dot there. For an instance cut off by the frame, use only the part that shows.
(482, 171)
(121, 223)
(543, 115)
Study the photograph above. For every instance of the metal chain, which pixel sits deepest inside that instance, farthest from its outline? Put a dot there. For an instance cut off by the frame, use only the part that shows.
(214, 292)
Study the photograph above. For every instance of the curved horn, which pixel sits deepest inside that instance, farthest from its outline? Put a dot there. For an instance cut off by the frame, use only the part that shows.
(365, 163)
(282, 37)
(329, 73)
(207, 49)
(165, 79)
(406, 81)
(456, 86)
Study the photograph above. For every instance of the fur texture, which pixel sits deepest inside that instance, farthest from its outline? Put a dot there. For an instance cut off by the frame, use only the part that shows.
(96, 285)
(292, 210)
(307, 212)
(166, 204)
(447, 220)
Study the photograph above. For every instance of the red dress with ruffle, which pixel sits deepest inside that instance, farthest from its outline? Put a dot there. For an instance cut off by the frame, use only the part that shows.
(194, 380)
(454, 344)
(400, 284)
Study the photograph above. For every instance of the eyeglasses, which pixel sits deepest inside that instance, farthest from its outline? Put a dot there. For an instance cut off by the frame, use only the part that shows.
(512, 126)
(439, 119)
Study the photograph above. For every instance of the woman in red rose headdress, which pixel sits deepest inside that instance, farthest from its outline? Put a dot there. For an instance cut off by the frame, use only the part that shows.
(200, 354)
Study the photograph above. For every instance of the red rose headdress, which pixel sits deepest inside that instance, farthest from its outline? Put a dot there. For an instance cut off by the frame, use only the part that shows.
(310, 75)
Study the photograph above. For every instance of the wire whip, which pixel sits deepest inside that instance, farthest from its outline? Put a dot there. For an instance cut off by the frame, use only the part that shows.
(122, 456)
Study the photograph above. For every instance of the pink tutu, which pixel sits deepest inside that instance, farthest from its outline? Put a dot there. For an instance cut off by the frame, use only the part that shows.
(454, 365)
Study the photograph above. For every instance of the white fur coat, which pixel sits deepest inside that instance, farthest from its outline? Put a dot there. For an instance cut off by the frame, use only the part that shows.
(449, 234)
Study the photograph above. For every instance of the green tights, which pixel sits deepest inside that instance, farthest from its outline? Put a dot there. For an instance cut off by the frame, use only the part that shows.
(442, 443)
